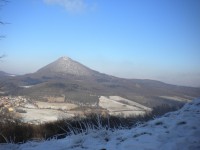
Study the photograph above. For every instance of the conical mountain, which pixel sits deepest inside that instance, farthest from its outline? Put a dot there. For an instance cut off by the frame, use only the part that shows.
(64, 66)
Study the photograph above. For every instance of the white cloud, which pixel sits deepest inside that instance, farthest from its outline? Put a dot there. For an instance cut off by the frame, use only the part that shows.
(71, 6)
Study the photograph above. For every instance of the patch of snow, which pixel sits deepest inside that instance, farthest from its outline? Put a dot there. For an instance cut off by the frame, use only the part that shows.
(61, 106)
(176, 98)
(12, 75)
(119, 106)
(65, 58)
(129, 102)
(27, 86)
(177, 130)
(29, 105)
(36, 116)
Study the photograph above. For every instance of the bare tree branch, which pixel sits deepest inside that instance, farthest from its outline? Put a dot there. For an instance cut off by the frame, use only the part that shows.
(4, 1)
(1, 22)
(2, 36)
(2, 56)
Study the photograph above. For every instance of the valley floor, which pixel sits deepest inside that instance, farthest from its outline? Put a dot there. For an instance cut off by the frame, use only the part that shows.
(177, 130)
(36, 112)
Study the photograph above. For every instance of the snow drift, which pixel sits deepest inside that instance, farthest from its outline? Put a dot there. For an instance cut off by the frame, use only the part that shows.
(177, 130)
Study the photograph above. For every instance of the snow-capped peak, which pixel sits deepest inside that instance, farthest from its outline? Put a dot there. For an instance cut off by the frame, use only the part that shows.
(65, 65)
(65, 58)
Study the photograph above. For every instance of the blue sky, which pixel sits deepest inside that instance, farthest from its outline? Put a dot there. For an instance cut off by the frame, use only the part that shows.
(145, 39)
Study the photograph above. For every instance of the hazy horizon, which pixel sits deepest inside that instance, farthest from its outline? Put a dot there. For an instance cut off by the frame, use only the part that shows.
(116, 75)
(157, 40)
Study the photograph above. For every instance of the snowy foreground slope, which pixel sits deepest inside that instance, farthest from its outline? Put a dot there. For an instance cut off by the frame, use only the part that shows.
(178, 130)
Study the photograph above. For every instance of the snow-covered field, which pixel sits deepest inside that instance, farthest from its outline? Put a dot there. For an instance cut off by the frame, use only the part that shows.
(178, 130)
(61, 106)
(129, 102)
(43, 115)
(117, 105)
(41, 112)
(46, 112)
(175, 98)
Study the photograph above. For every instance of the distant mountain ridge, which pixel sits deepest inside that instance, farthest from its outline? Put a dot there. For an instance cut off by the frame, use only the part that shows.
(79, 84)
(3, 74)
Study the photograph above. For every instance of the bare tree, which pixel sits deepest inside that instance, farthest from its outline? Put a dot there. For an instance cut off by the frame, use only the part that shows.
(2, 36)
(2, 2)
(2, 23)
(2, 56)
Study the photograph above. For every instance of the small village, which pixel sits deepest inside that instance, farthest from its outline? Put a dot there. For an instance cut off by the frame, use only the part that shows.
(9, 103)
